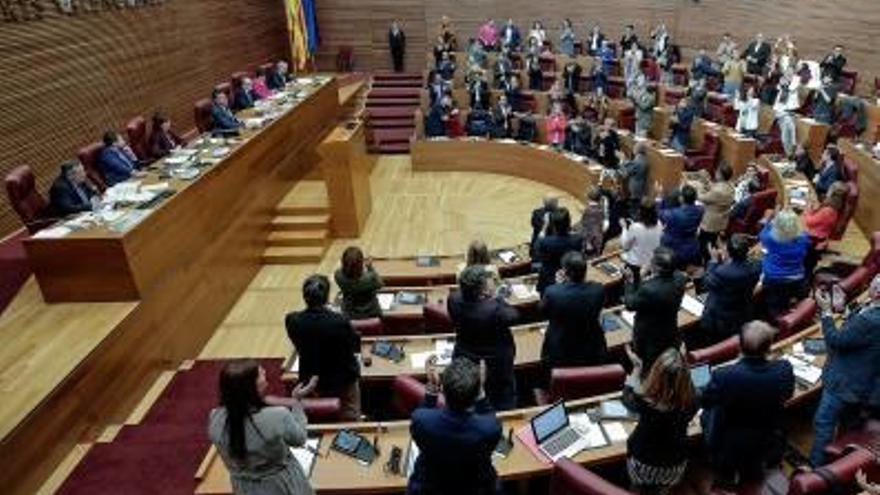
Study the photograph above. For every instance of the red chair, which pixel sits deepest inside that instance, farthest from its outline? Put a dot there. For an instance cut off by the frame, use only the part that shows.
(856, 282)
(236, 79)
(202, 115)
(437, 318)
(88, 156)
(547, 80)
(408, 394)
(225, 88)
(626, 119)
(615, 87)
(849, 209)
(31, 206)
(835, 477)
(751, 221)
(672, 96)
(797, 318)
(528, 102)
(850, 170)
(369, 327)
(580, 382)
(403, 324)
(847, 81)
(705, 157)
(680, 76)
(867, 436)
(726, 350)
(651, 69)
(323, 410)
(136, 129)
(569, 478)
(345, 59)
(769, 143)
(547, 63)
(853, 277)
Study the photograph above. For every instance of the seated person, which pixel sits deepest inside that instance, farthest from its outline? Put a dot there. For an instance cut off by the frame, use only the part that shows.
(451, 118)
(482, 327)
(244, 97)
(729, 282)
(680, 225)
(117, 161)
(502, 118)
(72, 192)
(359, 283)
(556, 123)
(820, 222)
(785, 248)
(744, 409)
(459, 438)
(446, 67)
(478, 90)
(222, 118)
(278, 78)
(261, 86)
(479, 123)
(438, 88)
(162, 139)
(574, 336)
(831, 172)
(326, 345)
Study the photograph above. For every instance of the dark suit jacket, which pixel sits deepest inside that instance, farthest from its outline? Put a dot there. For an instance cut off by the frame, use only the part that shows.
(161, 143)
(434, 125)
(65, 200)
(680, 225)
(243, 99)
(592, 47)
(833, 65)
(115, 165)
(574, 335)
(656, 302)
(482, 330)
(276, 80)
(761, 57)
(515, 37)
(436, 91)
(223, 119)
(851, 371)
(550, 250)
(538, 215)
(397, 43)
(455, 450)
(572, 79)
(326, 344)
(730, 286)
(744, 411)
(480, 89)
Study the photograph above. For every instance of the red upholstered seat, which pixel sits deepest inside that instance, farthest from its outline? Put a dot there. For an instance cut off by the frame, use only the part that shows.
(626, 119)
(726, 350)
(705, 157)
(835, 477)
(569, 478)
(408, 394)
(680, 76)
(673, 95)
(856, 282)
(403, 324)
(369, 327)
(31, 206)
(236, 78)
(769, 143)
(437, 318)
(651, 69)
(774, 482)
(547, 80)
(797, 318)
(324, 410)
(226, 88)
(202, 115)
(750, 223)
(849, 209)
(88, 156)
(868, 436)
(136, 130)
(848, 81)
(547, 63)
(580, 382)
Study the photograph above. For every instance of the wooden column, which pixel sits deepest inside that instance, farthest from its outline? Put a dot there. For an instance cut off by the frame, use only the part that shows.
(346, 168)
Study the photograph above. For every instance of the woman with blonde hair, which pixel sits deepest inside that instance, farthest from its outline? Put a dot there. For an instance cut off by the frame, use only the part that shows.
(665, 402)
(478, 255)
(785, 246)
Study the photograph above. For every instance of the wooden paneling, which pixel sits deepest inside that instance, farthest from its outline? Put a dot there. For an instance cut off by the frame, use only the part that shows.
(67, 79)
(815, 24)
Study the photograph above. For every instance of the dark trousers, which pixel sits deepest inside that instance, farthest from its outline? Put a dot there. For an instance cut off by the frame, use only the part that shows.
(780, 295)
(397, 60)
(707, 239)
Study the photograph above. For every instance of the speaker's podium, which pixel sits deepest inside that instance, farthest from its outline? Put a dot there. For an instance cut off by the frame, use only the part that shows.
(346, 168)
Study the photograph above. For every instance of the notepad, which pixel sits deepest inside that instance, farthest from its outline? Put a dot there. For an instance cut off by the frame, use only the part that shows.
(294, 368)
(507, 256)
(386, 300)
(305, 456)
(53, 232)
(523, 291)
(804, 371)
(692, 305)
(615, 432)
(629, 317)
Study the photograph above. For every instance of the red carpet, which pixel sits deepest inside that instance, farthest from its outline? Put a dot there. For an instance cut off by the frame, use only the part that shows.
(390, 108)
(14, 267)
(162, 454)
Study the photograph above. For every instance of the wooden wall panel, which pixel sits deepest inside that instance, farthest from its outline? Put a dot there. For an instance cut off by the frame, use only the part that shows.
(66, 79)
(815, 24)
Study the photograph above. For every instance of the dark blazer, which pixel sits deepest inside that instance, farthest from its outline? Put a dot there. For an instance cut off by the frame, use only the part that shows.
(243, 99)
(161, 143)
(744, 412)
(635, 172)
(833, 65)
(68, 198)
(593, 43)
(116, 165)
(515, 37)
(574, 335)
(538, 215)
(823, 108)
(656, 302)
(680, 225)
(756, 57)
(397, 43)
(446, 68)
(275, 80)
(455, 450)
(572, 79)
(730, 286)
(223, 119)
(326, 344)
(479, 89)
(550, 250)
(482, 330)
(436, 91)
(828, 175)
(851, 371)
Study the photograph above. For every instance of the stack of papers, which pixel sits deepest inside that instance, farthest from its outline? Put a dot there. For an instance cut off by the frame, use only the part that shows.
(803, 370)
(615, 432)
(692, 305)
(305, 455)
(523, 291)
(53, 232)
(589, 430)
(442, 350)
(629, 317)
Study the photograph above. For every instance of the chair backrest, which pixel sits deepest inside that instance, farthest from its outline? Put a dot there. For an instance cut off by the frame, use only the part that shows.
(797, 318)
(236, 78)
(369, 327)
(323, 410)
(202, 115)
(569, 478)
(835, 477)
(672, 96)
(30, 205)
(408, 393)
(437, 318)
(226, 88)
(726, 350)
(136, 129)
(848, 80)
(585, 381)
(761, 202)
(854, 283)
(849, 209)
(88, 156)
(626, 118)
(872, 257)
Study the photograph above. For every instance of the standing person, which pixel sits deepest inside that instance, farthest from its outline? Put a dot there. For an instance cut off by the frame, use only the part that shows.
(539, 35)
(680, 225)
(478, 255)
(787, 103)
(717, 201)
(851, 375)
(744, 409)
(574, 335)
(326, 345)
(510, 36)
(825, 100)
(639, 239)
(397, 45)
(730, 282)
(681, 123)
(482, 329)
(594, 41)
(657, 450)
(757, 55)
(644, 100)
(567, 39)
(359, 284)
(540, 217)
(656, 301)
(555, 240)
(785, 248)
(556, 124)
(592, 224)
(733, 70)
(726, 49)
(253, 432)
(748, 108)
(455, 442)
(635, 176)
(629, 37)
(488, 35)
(833, 63)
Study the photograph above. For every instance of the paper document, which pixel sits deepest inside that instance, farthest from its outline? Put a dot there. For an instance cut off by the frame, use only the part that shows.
(692, 305)
(418, 359)
(53, 232)
(615, 432)
(803, 370)
(629, 317)
(522, 291)
(294, 368)
(589, 430)
(412, 453)
(305, 456)
(507, 256)
(386, 300)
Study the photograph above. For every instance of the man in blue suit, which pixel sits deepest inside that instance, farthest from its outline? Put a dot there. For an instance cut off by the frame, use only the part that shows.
(852, 369)
(244, 96)
(455, 443)
(680, 225)
(744, 408)
(117, 161)
(72, 192)
(278, 76)
(510, 37)
(222, 118)
(730, 284)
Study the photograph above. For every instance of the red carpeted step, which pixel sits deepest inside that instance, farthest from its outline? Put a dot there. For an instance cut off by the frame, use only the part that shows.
(393, 102)
(396, 75)
(390, 136)
(398, 84)
(395, 93)
(390, 149)
(389, 112)
(392, 123)
(162, 433)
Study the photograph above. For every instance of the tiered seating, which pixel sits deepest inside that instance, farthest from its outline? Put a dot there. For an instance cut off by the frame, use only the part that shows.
(390, 107)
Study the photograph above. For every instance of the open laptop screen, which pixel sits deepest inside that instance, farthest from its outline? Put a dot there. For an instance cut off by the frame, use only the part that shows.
(549, 421)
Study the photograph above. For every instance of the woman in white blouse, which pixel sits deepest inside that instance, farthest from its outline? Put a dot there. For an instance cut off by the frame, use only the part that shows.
(538, 33)
(748, 107)
(640, 239)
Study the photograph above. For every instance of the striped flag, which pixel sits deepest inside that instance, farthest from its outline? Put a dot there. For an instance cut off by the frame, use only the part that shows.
(302, 26)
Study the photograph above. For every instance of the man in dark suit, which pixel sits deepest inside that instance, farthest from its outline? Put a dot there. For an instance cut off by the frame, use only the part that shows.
(482, 328)
(594, 41)
(446, 67)
(397, 45)
(553, 242)
(72, 192)
(478, 90)
(629, 38)
(730, 284)
(540, 216)
(833, 63)
(244, 95)
(656, 301)
(326, 344)
(117, 161)
(456, 442)
(680, 225)
(510, 36)
(744, 408)
(852, 368)
(278, 77)
(503, 69)
(574, 335)
(437, 88)
(222, 119)
(635, 176)
(571, 79)
(756, 55)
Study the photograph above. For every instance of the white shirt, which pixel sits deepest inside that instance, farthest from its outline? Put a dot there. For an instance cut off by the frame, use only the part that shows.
(639, 243)
(538, 34)
(748, 114)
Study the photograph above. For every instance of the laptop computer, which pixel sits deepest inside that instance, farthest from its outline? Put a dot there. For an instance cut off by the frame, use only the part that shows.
(554, 435)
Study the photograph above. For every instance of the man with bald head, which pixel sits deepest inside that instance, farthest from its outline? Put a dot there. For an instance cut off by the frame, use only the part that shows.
(743, 408)
(539, 217)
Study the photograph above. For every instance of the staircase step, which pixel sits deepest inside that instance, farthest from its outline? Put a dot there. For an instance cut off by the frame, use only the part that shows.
(294, 238)
(412, 103)
(392, 123)
(390, 149)
(300, 222)
(291, 255)
(296, 210)
(390, 76)
(391, 136)
(395, 93)
(389, 113)
(401, 83)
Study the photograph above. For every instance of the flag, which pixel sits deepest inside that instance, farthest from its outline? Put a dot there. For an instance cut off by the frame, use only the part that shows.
(311, 21)
(302, 27)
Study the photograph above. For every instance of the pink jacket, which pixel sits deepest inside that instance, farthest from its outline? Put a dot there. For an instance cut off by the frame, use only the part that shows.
(260, 89)
(556, 128)
(488, 35)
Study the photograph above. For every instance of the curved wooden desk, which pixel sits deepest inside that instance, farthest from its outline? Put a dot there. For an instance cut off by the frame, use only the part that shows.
(409, 272)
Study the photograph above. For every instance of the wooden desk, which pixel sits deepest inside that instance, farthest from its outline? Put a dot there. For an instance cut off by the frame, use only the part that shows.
(665, 164)
(808, 132)
(407, 272)
(737, 150)
(346, 168)
(867, 214)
